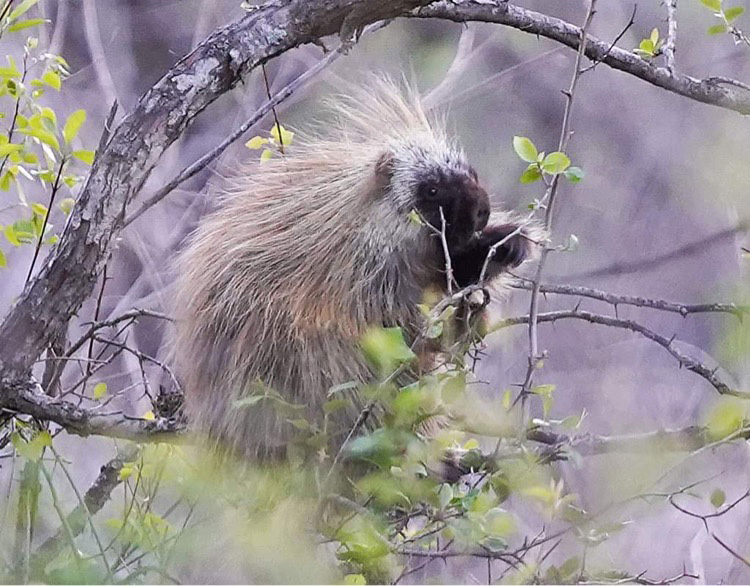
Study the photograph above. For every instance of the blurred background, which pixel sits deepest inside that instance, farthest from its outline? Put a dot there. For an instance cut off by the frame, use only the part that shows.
(662, 212)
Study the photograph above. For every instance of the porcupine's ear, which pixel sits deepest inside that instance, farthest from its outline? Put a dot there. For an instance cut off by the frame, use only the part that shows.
(384, 167)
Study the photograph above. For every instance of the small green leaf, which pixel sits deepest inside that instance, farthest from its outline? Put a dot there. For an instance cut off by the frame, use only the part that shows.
(386, 348)
(6, 149)
(3, 260)
(731, 13)
(525, 149)
(73, 125)
(66, 205)
(531, 174)
(414, 217)
(11, 236)
(647, 46)
(27, 24)
(85, 156)
(555, 163)
(717, 29)
(355, 580)
(718, 498)
(52, 79)
(256, 142)
(21, 9)
(281, 135)
(266, 155)
(100, 390)
(39, 209)
(654, 36)
(574, 174)
(712, 4)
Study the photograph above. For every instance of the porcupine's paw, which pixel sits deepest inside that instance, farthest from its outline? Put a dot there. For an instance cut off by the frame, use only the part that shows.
(515, 249)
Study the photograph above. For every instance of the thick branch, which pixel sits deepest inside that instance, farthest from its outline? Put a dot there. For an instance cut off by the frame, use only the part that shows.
(28, 399)
(122, 167)
(706, 91)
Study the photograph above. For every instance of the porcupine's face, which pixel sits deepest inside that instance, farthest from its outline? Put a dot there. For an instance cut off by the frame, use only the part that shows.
(464, 203)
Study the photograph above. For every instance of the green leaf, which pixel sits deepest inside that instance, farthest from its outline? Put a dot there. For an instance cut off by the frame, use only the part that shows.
(27, 24)
(11, 236)
(726, 417)
(731, 13)
(712, 4)
(73, 125)
(555, 163)
(386, 348)
(256, 142)
(52, 79)
(574, 174)
(85, 156)
(3, 260)
(355, 580)
(33, 449)
(531, 174)
(21, 9)
(266, 155)
(718, 498)
(281, 135)
(647, 46)
(39, 209)
(654, 36)
(44, 136)
(66, 205)
(525, 149)
(6, 149)
(100, 390)
(717, 29)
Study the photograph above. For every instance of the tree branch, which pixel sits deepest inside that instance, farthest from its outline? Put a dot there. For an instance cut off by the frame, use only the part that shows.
(668, 344)
(683, 309)
(500, 12)
(136, 145)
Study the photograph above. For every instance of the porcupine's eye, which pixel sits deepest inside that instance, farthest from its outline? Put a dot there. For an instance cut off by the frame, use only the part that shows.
(432, 192)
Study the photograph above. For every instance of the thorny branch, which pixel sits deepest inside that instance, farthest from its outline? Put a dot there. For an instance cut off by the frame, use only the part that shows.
(550, 201)
(668, 344)
(683, 309)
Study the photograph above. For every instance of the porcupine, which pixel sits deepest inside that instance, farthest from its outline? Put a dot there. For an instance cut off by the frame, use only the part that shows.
(304, 254)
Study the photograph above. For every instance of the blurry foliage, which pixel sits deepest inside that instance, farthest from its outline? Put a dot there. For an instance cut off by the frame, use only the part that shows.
(443, 470)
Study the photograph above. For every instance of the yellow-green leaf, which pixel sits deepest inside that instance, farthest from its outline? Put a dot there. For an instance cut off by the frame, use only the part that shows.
(281, 135)
(6, 149)
(525, 149)
(27, 24)
(100, 389)
(73, 125)
(256, 142)
(21, 9)
(52, 79)
(85, 156)
(3, 260)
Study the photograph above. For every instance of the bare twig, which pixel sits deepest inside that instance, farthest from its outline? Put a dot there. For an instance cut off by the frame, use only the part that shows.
(654, 262)
(550, 200)
(685, 361)
(94, 499)
(563, 32)
(683, 309)
(669, 44)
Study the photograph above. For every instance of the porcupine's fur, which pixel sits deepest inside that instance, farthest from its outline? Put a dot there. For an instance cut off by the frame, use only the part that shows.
(307, 252)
